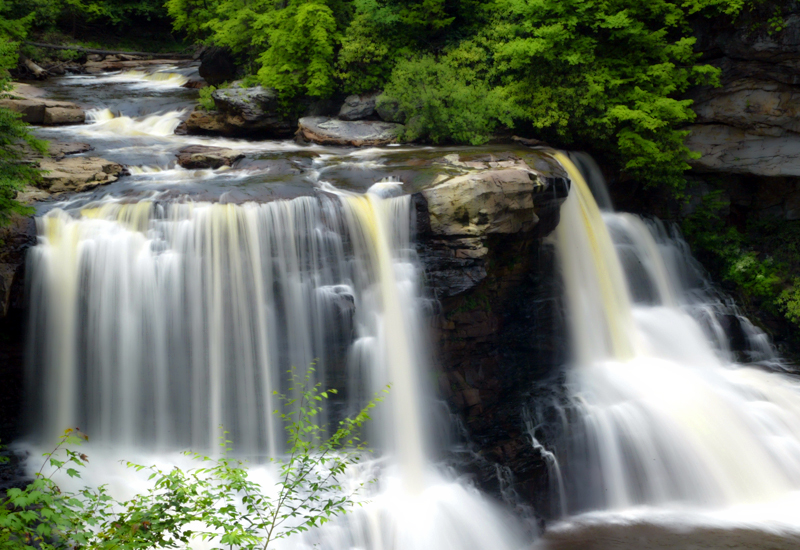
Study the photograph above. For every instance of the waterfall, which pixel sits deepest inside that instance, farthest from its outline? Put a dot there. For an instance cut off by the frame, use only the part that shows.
(152, 325)
(659, 412)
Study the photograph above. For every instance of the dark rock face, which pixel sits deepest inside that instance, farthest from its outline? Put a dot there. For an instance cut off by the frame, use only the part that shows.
(329, 131)
(749, 125)
(16, 237)
(358, 107)
(498, 331)
(197, 157)
(217, 66)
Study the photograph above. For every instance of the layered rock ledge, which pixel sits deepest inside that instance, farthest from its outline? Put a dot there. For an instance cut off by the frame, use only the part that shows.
(331, 131)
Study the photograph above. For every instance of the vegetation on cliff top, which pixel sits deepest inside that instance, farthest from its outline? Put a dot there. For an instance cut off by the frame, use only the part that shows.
(15, 174)
(575, 72)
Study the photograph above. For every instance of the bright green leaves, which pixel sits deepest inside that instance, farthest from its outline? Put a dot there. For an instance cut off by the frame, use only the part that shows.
(300, 58)
(446, 103)
(605, 73)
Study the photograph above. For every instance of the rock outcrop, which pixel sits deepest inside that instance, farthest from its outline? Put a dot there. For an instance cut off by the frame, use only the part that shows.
(45, 111)
(480, 230)
(196, 157)
(77, 173)
(491, 196)
(242, 112)
(750, 125)
(358, 107)
(330, 131)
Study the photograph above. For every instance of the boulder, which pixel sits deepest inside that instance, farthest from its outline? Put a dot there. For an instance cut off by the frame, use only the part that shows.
(217, 66)
(497, 201)
(242, 112)
(195, 84)
(200, 156)
(77, 173)
(45, 111)
(32, 110)
(358, 107)
(63, 115)
(329, 131)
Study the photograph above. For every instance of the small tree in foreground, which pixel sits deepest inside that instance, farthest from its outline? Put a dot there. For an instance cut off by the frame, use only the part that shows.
(216, 502)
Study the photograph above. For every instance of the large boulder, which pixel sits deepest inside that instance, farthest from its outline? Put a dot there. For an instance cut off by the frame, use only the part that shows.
(45, 111)
(476, 199)
(241, 112)
(329, 131)
(485, 203)
(217, 66)
(197, 157)
(358, 107)
(77, 173)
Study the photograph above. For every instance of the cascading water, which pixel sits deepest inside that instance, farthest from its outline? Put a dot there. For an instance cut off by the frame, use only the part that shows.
(658, 415)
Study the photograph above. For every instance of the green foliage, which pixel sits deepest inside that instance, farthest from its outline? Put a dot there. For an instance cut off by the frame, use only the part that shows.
(605, 73)
(204, 99)
(215, 502)
(15, 173)
(48, 14)
(758, 263)
(300, 57)
(445, 103)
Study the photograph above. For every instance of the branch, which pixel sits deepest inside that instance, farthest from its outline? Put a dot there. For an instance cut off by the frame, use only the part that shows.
(168, 55)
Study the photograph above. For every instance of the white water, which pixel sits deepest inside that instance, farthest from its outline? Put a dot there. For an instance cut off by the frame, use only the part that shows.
(663, 426)
(154, 324)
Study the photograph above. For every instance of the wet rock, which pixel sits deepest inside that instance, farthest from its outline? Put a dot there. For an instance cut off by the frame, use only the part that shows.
(358, 107)
(389, 110)
(244, 112)
(63, 115)
(59, 149)
(16, 237)
(198, 157)
(115, 64)
(45, 112)
(217, 66)
(78, 173)
(195, 84)
(484, 203)
(329, 131)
